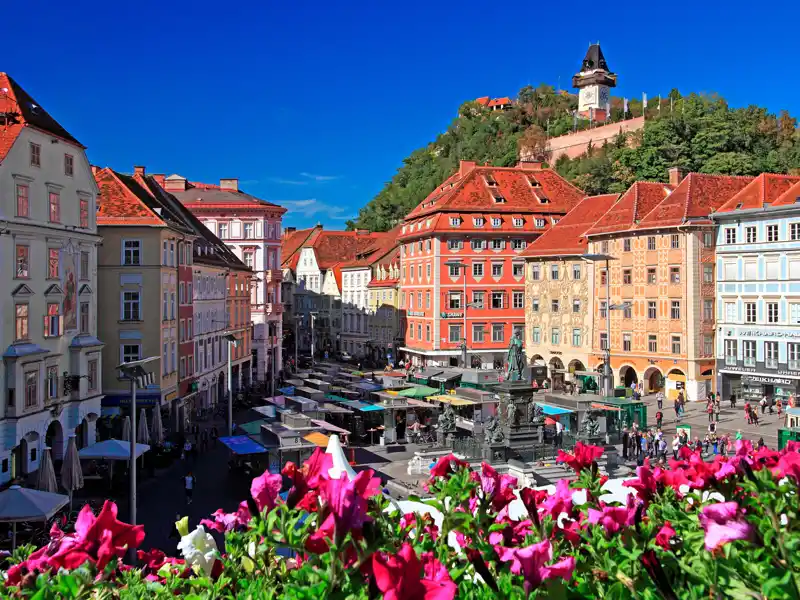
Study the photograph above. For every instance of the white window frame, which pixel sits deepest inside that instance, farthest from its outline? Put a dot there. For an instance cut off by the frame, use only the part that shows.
(123, 251)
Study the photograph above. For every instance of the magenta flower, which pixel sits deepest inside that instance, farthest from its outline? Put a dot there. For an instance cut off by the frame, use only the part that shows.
(228, 521)
(347, 500)
(723, 523)
(664, 535)
(560, 501)
(400, 576)
(582, 457)
(498, 488)
(788, 466)
(724, 468)
(614, 518)
(447, 465)
(265, 489)
(531, 563)
(644, 484)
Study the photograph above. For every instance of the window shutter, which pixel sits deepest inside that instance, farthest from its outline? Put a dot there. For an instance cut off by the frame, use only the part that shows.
(61, 325)
(505, 299)
(46, 326)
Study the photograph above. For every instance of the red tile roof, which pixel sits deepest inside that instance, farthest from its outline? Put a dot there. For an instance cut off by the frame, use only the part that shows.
(122, 201)
(291, 244)
(635, 203)
(20, 111)
(483, 100)
(762, 191)
(790, 196)
(568, 237)
(331, 247)
(209, 195)
(500, 101)
(695, 198)
(473, 189)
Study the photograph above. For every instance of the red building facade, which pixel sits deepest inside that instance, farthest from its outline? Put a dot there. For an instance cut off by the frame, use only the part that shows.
(462, 279)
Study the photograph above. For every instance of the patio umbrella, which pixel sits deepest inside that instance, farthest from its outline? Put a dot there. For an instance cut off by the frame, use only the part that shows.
(142, 434)
(421, 391)
(46, 475)
(71, 471)
(112, 450)
(18, 505)
(126, 429)
(157, 429)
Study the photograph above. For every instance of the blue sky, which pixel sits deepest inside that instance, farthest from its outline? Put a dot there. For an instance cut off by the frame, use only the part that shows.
(314, 105)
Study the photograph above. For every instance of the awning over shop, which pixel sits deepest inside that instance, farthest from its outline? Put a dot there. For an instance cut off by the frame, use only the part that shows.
(334, 409)
(420, 391)
(554, 410)
(427, 373)
(360, 406)
(242, 445)
(253, 427)
(317, 438)
(367, 387)
(329, 426)
(446, 376)
(453, 400)
(604, 407)
(289, 390)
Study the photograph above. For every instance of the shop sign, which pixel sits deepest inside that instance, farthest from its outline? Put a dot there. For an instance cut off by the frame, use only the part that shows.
(170, 397)
(768, 333)
(766, 379)
(416, 313)
(556, 352)
(451, 315)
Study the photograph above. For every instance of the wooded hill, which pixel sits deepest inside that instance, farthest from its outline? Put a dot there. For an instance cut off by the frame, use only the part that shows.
(699, 133)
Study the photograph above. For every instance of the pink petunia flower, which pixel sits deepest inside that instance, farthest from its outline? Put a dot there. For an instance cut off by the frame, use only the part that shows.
(402, 576)
(664, 535)
(788, 466)
(723, 523)
(614, 518)
(228, 521)
(559, 502)
(645, 483)
(447, 465)
(265, 489)
(582, 457)
(531, 562)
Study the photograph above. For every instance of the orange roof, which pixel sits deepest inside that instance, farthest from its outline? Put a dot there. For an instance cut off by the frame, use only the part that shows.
(483, 100)
(568, 237)
(634, 204)
(514, 190)
(761, 192)
(790, 196)
(695, 198)
(122, 201)
(500, 101)
(23, 111)
(291, 244)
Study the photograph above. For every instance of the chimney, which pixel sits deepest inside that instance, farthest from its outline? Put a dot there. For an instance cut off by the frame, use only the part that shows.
(530, 165)
(676, 175)
(159, 177)
(175, 183)
(231, 185)
(139, 170)
(288, 230)
(465, 167)
(95, 169)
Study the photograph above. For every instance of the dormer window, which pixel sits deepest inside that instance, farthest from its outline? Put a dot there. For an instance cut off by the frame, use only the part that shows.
(497, 222)
(498, 197)
(555, 220)
(539, 223)
(478, 221)
(490, 180)
(533, 181)
(455, 221)
(518, 222)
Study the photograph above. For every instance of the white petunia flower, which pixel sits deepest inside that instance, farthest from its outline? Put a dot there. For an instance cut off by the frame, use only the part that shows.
(199, 549)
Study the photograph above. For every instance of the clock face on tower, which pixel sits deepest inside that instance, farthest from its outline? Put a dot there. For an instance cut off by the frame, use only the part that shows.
(589, 95)
(604, 96)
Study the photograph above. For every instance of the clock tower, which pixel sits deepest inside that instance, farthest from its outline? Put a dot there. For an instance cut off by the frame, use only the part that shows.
(594, 82)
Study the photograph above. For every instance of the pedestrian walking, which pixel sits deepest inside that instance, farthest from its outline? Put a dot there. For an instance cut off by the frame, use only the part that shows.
(660, 400)
(559, 434)
(676, 445)
(677, 410)
(717, 409)
(188, 486)
(779, 407)
(214, 435)
(187, 452)
(204, 440)
(710, 411)
(770, 403)
(659, 419)
(760, 443)
(747, 413)
(733, 400)
(763, 404)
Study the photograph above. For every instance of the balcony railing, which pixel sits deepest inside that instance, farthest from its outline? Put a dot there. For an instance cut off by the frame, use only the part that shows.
(794, 365)
(730, 361)
(273, 308)
(771, 363)
(749, 361)
(273, 275)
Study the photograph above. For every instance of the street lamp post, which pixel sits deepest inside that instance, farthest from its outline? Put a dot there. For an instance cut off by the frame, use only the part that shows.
(232, 343)
(463, 267)
(135, 372)
(313, 316)
(608, 379)
(297, 319)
